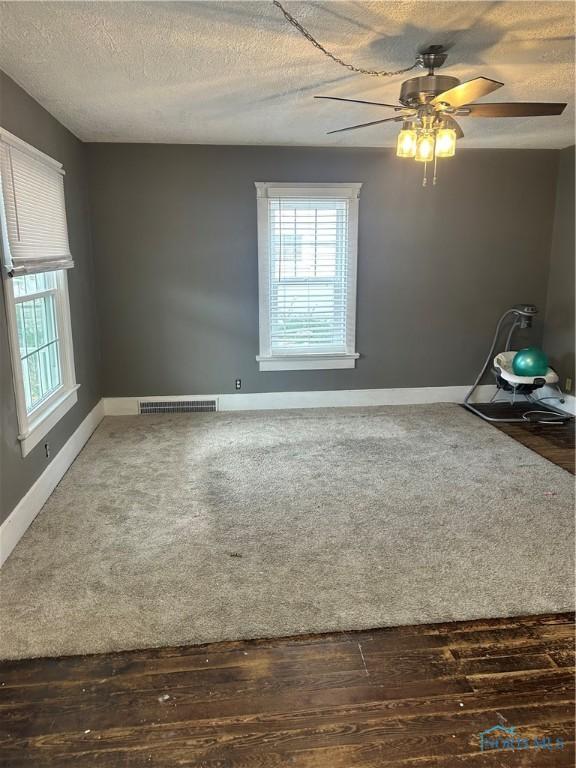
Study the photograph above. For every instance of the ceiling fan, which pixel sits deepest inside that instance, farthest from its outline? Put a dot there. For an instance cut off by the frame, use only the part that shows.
(429, 105)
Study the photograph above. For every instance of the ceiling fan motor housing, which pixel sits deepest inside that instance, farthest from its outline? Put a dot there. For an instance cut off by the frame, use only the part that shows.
(432, 57)
(421, 90)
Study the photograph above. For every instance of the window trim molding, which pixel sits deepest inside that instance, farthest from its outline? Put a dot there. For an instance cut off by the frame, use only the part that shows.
(309, 362)
(300, 360)
(35, 425)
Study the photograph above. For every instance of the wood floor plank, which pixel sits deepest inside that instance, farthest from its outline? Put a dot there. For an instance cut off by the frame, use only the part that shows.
(553, 632)
(503, 664)
(93, 709)
(509, 635)
(410, 738)
(175, 659)
(530, 646)
(559, 759)
(518, 709)
(524, 680)
(345, 729)
(563, 658)
(320, 703)
(245, 675)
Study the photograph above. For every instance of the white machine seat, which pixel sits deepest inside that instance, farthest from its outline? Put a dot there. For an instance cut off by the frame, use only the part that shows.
(503, 365)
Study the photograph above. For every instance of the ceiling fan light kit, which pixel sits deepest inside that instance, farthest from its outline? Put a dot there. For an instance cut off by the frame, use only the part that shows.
(429, 102)
(428, 107)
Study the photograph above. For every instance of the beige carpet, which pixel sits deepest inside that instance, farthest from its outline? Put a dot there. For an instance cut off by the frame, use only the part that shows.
(187, 529)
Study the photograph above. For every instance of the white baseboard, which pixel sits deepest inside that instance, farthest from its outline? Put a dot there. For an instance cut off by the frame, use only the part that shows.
(259, 401)
(23, 514)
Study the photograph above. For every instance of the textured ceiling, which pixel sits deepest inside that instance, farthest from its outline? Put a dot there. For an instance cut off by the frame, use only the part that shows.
(237, 73)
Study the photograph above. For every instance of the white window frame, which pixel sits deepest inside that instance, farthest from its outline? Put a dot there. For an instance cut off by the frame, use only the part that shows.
(33, 426)
(36, 424)
(302, 361)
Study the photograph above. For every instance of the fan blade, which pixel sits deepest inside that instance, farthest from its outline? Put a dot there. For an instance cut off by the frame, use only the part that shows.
(358, 101)
(519, 109)
(467, 92)
(365, 125)
(449, 122)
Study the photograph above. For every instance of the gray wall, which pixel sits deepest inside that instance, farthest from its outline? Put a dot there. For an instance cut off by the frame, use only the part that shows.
(559, 326)
(175, 237)
(22, 116)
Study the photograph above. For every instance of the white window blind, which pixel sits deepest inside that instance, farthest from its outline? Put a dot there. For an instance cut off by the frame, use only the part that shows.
(308, 274)
(34, 228)
(307, 253)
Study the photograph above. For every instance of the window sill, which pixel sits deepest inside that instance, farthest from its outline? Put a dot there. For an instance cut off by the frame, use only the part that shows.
(48, 418)
(307, 362)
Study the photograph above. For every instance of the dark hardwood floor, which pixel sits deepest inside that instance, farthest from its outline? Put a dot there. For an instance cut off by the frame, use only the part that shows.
(406, 697)
(553, 441)
(410, 696)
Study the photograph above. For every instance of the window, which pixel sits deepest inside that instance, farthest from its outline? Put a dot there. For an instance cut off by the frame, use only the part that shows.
(38, 337)
(307, 249)
(35, 256)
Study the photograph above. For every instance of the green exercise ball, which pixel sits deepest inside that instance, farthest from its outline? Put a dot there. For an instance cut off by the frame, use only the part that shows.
(530, 362)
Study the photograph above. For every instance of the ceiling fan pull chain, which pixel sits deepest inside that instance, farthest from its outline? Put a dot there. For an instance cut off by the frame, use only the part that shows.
(295, 23)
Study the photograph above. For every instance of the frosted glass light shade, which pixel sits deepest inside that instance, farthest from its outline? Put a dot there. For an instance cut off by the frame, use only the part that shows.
(406, 146)
(425, 148)
(446, 142)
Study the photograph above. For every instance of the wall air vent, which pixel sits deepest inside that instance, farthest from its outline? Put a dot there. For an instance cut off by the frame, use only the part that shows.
(177, 406)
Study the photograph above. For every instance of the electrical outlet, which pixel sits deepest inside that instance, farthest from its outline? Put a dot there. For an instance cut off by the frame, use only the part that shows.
(47, 450)
(568, 385)
(238, 383)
